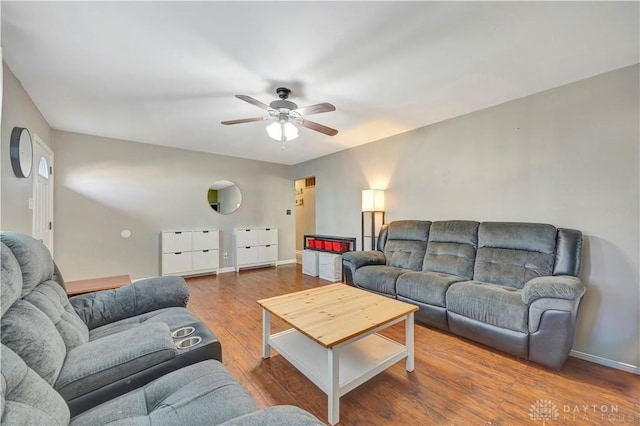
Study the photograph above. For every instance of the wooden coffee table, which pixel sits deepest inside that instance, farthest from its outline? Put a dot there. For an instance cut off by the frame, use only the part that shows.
(333, 341)
(96, 284)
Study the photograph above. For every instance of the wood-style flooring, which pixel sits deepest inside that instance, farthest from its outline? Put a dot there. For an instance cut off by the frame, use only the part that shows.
(455, 382)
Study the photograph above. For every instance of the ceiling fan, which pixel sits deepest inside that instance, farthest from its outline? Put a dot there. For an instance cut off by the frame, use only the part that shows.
(285, 112)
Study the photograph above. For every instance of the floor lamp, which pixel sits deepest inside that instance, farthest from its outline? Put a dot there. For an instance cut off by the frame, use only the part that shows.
(372, 217)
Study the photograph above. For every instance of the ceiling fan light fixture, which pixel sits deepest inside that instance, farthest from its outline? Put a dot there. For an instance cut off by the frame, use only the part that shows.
(279, 129)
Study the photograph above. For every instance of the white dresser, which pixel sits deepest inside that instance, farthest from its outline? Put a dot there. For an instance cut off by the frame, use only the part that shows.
(190, 252)
(256, 246)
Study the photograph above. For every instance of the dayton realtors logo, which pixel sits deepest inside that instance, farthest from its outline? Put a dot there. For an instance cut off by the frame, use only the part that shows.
(543, 410)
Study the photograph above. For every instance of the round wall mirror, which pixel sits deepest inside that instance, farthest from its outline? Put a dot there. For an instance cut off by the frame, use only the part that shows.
(224, 196)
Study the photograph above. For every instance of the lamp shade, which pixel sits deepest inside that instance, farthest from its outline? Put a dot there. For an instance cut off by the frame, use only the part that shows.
(276, 130)
(372, 200)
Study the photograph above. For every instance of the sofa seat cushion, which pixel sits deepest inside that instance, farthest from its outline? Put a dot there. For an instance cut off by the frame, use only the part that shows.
(426, 287)
(200, 394)
(378, 278)
(174, 318)
(493, 304)
(104, 361)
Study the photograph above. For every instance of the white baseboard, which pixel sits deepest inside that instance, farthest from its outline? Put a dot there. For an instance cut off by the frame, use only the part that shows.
(278, 263)
(606, 362)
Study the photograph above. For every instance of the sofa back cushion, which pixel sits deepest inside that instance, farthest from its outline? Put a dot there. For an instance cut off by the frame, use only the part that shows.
(30, 333)
(50, 298)
(452, 248)
(26, 398)
(11, 279)
(511, 254)
(406, 244)
(36, 264)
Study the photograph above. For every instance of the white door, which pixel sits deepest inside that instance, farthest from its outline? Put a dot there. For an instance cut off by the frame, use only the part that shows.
(42, 228)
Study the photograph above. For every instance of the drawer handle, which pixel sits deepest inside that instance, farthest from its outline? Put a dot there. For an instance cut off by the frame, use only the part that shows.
(268, 229)
(248, 247)
(247, 230)
(268, 245)
(178, 252)
(205, 251)
(205, 232)
(177, 232)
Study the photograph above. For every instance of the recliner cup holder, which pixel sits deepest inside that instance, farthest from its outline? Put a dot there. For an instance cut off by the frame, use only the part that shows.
(183, 332)
(188, 342)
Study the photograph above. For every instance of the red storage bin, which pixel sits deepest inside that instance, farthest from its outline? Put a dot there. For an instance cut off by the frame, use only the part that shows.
(337, 246)
(311, 243)
(328, 245)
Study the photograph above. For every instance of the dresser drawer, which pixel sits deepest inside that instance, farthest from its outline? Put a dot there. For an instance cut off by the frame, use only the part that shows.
(246, 255)
(205, 260)
(205, 240)
(173, 242)
(175, 263)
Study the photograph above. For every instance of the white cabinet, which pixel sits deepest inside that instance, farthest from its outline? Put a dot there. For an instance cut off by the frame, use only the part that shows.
(257, 246)
(190, 252)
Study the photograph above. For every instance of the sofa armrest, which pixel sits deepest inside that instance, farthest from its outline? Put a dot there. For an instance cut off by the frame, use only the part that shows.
(352, 260)
(554, 287)
(358, 259)
(104, 307)
(277, 415)
(103, 361)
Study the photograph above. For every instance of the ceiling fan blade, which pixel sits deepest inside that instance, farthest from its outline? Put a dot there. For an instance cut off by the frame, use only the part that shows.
(317, 127)
(315, 109)
(255, 102)
(244, 120)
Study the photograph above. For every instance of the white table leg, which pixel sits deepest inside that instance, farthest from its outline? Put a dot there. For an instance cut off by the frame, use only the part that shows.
(334, 385)
(266, 332)
(408, 330)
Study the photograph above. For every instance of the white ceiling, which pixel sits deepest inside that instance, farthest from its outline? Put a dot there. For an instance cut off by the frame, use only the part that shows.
(165, 72)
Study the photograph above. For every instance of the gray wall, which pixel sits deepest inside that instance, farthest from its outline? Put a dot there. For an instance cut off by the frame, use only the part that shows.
(105, 185)
(567, 156)
(17, 110)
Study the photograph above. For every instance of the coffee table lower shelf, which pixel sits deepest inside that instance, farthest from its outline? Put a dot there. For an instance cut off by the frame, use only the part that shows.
(358, 361)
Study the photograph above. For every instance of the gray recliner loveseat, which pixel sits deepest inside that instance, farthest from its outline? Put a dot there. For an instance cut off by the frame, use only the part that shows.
(511, 286)
(110, 357)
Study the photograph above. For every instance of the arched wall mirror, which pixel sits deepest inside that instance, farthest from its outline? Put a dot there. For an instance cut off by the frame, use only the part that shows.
(224, 196)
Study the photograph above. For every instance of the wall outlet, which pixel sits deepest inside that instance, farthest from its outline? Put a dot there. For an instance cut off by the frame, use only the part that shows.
(225, 255)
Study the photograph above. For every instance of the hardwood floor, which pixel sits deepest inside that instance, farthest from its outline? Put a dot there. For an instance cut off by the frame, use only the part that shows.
(455, 382)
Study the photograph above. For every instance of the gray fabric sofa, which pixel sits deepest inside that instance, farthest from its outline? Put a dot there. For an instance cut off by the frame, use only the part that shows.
(511, 286)
(200, 394)
(108, 357)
